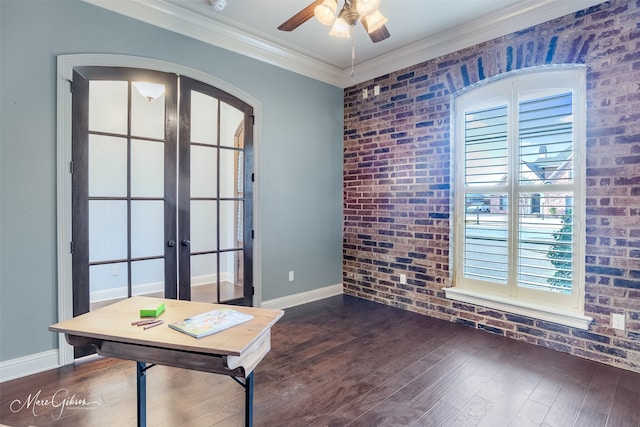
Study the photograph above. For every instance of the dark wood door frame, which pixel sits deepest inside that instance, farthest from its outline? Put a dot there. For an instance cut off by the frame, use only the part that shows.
(173, 220)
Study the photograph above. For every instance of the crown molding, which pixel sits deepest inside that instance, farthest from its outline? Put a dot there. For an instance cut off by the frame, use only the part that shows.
(168, 16)
(509, 20)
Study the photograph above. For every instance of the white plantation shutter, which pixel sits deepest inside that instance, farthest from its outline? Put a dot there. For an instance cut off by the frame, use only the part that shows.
(486, 156)
(545, 159)
(517, 157)
(486, 160)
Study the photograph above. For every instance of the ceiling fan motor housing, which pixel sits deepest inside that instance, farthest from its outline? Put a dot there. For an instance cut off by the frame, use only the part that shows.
(349, 13)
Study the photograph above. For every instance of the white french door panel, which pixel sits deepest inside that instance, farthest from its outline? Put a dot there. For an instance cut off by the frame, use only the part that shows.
(146, 277)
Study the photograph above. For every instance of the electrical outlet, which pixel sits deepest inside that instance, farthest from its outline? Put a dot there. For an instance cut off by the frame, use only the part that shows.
(115, 270)
(403, 279)
(376, 90)
(291, 276)
(617, 321)
(365, 93)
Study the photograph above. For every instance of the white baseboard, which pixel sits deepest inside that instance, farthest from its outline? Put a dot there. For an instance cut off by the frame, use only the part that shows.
(153, 287)
(27, 365)
(121, 292)
(303, 297)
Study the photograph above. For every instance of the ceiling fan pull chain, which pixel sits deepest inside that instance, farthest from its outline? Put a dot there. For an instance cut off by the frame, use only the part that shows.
(353, 48)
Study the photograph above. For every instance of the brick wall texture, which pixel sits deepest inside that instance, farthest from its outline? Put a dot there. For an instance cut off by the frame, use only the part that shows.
(397, 180)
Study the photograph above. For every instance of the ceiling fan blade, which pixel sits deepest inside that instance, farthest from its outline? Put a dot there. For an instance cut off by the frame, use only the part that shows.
(378, 35)
(299, 18)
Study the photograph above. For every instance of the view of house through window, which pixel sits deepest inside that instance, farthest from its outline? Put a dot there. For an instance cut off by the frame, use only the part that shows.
(518, 141)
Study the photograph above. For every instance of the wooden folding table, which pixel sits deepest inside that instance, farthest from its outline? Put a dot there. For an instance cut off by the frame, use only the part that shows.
(234, 352)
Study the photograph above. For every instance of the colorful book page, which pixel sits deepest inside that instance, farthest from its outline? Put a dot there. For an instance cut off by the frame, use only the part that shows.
(210, 322)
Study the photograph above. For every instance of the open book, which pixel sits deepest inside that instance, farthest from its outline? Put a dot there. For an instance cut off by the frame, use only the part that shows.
(210, 322)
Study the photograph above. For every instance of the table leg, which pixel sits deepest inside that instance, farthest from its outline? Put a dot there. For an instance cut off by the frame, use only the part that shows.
(248, 401)
(142, 393)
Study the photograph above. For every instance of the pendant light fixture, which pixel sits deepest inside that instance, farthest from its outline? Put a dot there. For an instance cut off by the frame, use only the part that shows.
(326, 12)
(367, 7)
(374, 21)
(149, 90)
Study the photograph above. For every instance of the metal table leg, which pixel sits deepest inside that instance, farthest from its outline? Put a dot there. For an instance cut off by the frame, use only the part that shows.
(248, 398)
(142, 395)
(248, 401)
(141, 391)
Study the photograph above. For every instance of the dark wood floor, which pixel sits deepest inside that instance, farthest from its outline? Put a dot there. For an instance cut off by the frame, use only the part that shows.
(344, 361)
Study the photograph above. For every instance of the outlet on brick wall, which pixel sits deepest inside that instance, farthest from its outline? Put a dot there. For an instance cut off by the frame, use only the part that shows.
(617, 321)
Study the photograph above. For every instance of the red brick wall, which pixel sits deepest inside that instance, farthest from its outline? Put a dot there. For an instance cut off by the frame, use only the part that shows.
(397, 180)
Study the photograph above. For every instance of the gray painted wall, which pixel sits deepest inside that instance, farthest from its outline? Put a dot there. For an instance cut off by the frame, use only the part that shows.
(300, 171)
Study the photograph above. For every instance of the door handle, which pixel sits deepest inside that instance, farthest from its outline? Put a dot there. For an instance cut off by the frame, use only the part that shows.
(171, 243)
(186, 243)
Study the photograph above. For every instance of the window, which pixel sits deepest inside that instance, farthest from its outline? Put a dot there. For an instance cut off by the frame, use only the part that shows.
(519, 167)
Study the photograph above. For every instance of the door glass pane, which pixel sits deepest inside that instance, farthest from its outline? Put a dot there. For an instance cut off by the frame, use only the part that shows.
(231, 268)
(107, 282)
(231, 224)
(231, 179)
(204, 119)
(108, 106)
(147, 277)
(147, 228)
(147, 168)
(230, 125)
(107, 230)
(107, 166)
(203, 225)
(147, 116)
(204, 277)
(203, 171)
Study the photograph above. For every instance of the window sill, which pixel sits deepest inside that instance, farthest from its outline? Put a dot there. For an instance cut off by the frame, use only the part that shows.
(565, 317)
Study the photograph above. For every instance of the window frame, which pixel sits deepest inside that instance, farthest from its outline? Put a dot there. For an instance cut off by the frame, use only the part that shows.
(511, 89)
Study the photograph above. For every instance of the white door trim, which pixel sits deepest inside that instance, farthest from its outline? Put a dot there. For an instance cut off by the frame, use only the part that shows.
(66, 64)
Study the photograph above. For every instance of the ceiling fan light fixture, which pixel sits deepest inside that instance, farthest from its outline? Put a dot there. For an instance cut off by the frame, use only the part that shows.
(367, 7)
(326, 12)
(375, 21)
(340, 28)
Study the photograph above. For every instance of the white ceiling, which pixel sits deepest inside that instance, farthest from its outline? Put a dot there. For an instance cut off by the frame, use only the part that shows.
(420, 30)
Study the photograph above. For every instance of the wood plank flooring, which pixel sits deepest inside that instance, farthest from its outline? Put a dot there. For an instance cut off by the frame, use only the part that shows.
(343, 361)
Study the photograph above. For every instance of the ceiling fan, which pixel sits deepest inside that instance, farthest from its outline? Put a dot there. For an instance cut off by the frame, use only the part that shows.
(365, 11)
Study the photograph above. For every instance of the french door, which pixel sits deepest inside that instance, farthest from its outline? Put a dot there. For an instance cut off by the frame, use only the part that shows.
(161, 189)
(215, 153)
